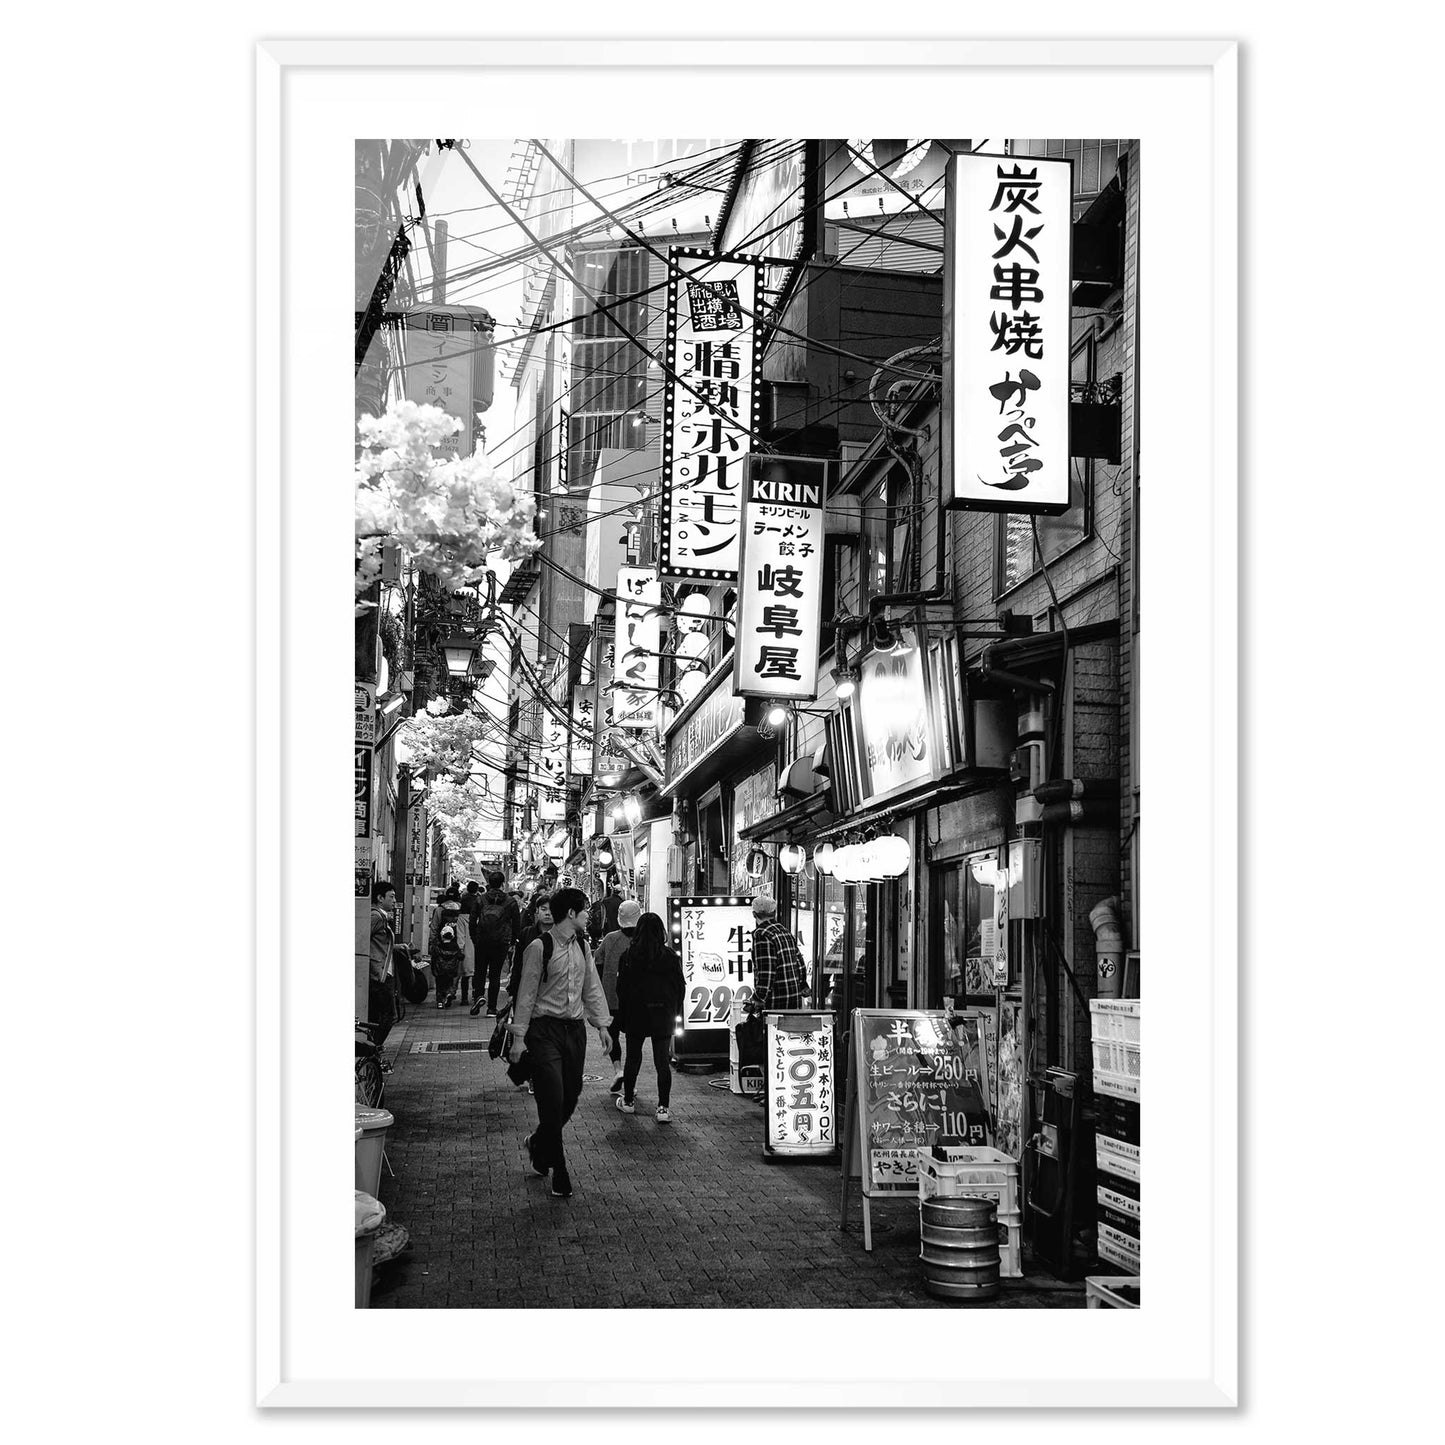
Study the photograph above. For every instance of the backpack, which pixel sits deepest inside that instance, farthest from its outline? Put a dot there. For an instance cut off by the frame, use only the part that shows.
(495, 924)
(449, 940)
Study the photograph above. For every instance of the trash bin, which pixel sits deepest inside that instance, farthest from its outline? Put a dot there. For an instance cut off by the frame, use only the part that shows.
(370, 1142)
(370, 1213)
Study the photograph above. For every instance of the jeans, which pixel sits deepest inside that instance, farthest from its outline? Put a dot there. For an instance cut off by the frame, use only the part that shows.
(658, 1027)
(557, 1048)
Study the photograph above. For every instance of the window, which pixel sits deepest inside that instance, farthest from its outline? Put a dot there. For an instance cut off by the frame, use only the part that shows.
(1018, 559)
(887, 535)
(1095, 164)
(609, 372)
(969, 955)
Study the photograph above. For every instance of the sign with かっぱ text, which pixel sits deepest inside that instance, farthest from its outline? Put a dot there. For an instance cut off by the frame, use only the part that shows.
(1007, 322)
(800, 1084)
(714, 939)
(639, 633)
(780, 584)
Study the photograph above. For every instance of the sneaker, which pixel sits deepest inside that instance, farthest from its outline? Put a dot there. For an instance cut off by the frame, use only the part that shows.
(532, 1160)
(561, 1184)
(664, 1114)
(625, 1106)
(476, 1008)
(441, 1003)
(617, 1083)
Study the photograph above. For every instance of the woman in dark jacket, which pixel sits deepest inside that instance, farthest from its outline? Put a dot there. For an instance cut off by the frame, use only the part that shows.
(650, 990)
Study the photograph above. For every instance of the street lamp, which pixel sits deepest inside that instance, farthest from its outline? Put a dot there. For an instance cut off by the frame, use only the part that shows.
(459, 649)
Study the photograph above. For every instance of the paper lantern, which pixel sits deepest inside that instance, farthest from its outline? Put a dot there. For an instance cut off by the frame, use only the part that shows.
(894, 855)
(792, 857)
(757, 863)
(823, 858)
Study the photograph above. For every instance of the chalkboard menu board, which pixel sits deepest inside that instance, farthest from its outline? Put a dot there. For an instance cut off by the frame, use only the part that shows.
(916, 1083)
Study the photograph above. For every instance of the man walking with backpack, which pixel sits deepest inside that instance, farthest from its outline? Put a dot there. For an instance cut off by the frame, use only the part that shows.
(496, 926)
(559, 987)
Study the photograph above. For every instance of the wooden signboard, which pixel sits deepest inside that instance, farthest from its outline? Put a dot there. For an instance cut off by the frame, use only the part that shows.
(913, 1083)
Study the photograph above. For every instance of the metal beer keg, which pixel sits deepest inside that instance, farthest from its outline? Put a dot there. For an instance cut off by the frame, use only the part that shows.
(959, 1248)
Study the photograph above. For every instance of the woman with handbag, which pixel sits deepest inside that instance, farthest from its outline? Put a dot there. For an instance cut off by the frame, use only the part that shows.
(650, 991)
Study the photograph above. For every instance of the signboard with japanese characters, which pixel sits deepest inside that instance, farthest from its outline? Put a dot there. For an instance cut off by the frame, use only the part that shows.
(446, 347)
(365, 739)
(915, 1084)
(780, 584)
(552, 760)
(714, 939)
(583, 712)
(892, 716)
(639, 638)
(800, 1087)
(713, 360)
(1007, 341)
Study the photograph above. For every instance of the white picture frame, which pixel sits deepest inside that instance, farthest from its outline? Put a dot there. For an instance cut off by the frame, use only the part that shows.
(313, 1349)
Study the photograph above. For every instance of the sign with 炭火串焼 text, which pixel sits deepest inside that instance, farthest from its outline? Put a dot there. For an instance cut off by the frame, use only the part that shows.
(1007, 340)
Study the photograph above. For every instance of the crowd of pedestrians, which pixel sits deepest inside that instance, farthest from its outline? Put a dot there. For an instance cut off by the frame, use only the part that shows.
(570, 963)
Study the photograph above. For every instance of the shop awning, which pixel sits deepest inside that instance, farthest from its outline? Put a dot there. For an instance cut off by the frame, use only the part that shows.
(802, 818)
(925, 797)
(713, 737)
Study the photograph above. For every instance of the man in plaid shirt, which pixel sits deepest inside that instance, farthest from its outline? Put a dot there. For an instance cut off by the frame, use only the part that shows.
(780, 977)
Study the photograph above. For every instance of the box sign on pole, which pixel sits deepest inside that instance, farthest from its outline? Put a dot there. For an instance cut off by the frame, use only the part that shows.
(1006, 321)
(713, 358)
(365, 745)
(780, 586)
(639, 635)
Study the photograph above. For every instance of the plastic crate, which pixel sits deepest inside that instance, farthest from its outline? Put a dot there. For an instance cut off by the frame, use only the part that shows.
(1118, 1248)
(961, 1179)
(1118, 1086)
(1114, 1056)
(1102, 1291)
(1010, 1247)
(1118, 1202)
(1114, 1156)
(1115, 1019)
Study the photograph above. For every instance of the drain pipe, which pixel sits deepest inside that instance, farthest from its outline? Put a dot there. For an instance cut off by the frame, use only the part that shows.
(1108, 947)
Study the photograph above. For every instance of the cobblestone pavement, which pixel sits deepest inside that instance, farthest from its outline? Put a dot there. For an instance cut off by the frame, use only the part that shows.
(686, 1214)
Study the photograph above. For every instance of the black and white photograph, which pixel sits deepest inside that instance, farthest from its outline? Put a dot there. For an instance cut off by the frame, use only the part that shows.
(747, 776)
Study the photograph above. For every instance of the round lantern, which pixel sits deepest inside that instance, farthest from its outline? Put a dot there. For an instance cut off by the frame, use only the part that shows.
(845, 864)
(792, 857)
(757, 863)
(694, 612)
(823, 858)
(894, 855)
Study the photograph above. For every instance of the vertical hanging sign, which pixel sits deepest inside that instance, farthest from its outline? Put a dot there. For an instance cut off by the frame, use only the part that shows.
(365, 743)
(639, 633)
(1007, 340)
(780, 585)
(582, 714)
(710, 403)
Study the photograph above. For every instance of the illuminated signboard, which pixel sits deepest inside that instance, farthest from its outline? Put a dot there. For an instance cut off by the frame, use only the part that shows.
(714, 939)
(710, 402)
(1007, 282)
(800, 1084)
(780, 587)
(639, 638)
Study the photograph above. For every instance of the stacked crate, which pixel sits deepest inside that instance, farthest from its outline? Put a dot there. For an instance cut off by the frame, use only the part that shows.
(952, 1171)
(1115, 1024)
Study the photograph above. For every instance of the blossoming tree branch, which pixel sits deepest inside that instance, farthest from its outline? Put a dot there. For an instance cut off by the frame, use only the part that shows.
(446, 517)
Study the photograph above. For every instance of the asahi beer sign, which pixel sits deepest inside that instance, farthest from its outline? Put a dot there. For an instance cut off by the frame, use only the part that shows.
(709, 410)
(714, 939)
(639, 635)
(780, 587)
(1007, 328)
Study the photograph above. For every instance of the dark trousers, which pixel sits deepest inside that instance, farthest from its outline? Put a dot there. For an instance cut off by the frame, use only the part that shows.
(380, 1008)
(658, 1027)
(489, 967)
(557, 1048)
(615, 1024)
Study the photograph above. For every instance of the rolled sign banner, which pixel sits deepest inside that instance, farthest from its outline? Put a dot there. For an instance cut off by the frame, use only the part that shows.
(780, 584)
(1007, 333)
(713, 356)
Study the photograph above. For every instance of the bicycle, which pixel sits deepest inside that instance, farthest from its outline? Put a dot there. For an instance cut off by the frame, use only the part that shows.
(370, 1078)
